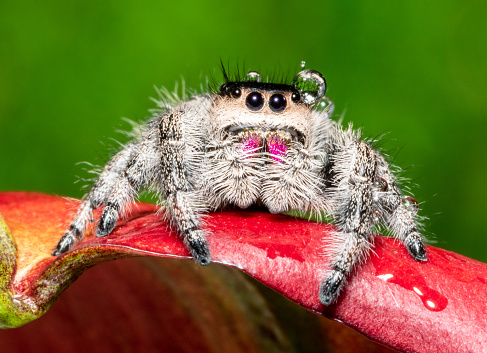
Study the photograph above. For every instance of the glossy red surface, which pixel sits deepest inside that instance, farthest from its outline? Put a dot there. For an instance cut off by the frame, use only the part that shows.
(437, 306)
(408, 278)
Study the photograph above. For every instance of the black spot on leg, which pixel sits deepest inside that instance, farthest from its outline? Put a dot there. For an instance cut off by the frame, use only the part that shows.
(75, 231)
(191, 229)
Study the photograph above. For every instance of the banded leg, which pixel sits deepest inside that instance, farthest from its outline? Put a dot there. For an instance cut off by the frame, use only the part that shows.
(183, 204)
(398, 217)
(141, 170)
(357, 167)
(404, 228)
(95, 198)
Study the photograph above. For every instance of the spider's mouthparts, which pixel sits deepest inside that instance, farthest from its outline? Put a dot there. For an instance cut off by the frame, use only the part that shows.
(251, 140)
(275, 142)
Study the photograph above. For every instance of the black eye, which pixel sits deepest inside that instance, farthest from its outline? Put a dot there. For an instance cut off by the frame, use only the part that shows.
(277, 102)
(236, 93)
(255, 101)
(223, 90)
(296, 97)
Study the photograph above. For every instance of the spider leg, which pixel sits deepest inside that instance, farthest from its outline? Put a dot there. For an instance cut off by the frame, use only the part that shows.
(183, 203)
(399, 213)
(164, 159)
(140, 170)
(356, 168)
(94, 199)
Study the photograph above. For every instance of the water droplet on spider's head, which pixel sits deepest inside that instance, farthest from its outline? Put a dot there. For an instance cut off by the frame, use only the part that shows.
(252, 76)
(311, 85)
(324, 105)
(411, 204)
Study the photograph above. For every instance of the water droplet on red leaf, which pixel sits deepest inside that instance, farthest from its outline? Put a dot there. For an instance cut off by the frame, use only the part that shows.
(406, 276)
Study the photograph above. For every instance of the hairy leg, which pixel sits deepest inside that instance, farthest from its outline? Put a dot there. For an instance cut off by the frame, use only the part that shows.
(356, 169)
(97, 197)
(399, 213)
(183, 203)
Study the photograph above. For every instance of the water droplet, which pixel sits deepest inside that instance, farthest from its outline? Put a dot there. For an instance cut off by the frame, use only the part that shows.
(404, 275)
(324, 105)
(385, 276)
(417, 290)
(411, 204)
(252, 76)
(303, 64)
(311, 85)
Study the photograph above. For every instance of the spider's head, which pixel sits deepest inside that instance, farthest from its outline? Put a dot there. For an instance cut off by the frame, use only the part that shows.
(263, 109)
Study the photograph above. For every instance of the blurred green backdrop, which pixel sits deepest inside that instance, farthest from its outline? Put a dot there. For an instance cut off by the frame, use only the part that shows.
(416, 70)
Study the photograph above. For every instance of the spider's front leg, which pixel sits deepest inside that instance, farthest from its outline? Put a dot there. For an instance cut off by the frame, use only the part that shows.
(178, 170)
(164, 159)
(142, 169)
(364, 188)
(398, 212)
(98, 196)
(118, 184)
(355, 169)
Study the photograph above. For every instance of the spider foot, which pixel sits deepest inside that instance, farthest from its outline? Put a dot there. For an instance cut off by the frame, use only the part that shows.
(416, 247)
(199, 247)
(107, 221)
(331, 287)
(66, 243)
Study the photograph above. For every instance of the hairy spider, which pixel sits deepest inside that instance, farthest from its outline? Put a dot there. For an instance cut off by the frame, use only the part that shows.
(257, 142)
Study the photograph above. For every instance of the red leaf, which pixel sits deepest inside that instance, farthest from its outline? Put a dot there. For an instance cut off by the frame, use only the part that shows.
(161, 305)
(408, 305)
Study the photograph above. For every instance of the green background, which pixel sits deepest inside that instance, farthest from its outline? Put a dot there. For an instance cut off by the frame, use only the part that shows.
(415, 70)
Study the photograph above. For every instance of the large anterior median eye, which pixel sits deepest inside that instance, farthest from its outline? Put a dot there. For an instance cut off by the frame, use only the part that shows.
(255, 101)
(277, 102)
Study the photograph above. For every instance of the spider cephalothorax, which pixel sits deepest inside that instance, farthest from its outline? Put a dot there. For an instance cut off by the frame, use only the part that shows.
(256, 142)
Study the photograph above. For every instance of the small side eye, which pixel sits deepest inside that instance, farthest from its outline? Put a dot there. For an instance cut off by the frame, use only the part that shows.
(295, 97)
(383, 184)
(277, 102)
(223, 90)
(236, 92)
(255, 101)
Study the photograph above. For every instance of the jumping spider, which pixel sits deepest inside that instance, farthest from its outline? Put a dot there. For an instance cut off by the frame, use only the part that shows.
(257, 142)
